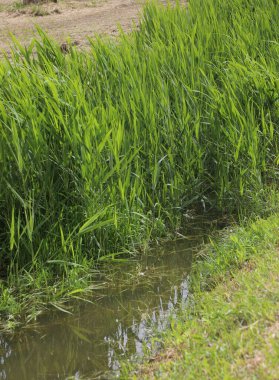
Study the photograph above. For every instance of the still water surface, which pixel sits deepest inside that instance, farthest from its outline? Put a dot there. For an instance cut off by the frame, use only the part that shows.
(90, 342)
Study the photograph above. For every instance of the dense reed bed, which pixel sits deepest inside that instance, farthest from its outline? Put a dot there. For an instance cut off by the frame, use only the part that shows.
(101, 151)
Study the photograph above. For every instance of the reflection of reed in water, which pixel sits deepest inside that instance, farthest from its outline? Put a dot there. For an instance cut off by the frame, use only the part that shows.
(141, 331)
(118, 322)
(5, 352)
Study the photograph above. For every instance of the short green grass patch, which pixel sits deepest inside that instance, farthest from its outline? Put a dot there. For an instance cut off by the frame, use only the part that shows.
(231, 331)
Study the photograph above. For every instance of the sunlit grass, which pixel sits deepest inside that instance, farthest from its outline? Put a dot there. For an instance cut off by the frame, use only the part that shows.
(230, 327)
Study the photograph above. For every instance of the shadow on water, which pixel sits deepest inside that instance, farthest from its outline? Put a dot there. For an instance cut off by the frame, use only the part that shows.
(90, 342)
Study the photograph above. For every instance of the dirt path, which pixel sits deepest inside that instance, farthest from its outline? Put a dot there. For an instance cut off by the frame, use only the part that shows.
(75, 19)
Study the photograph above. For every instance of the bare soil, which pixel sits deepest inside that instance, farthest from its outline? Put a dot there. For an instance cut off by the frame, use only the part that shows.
(76, 19)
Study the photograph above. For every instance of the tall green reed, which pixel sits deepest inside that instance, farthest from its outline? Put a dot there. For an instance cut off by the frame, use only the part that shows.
(102, 150)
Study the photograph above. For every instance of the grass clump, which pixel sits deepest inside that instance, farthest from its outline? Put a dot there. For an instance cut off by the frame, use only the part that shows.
(231, 331)
(102, 151)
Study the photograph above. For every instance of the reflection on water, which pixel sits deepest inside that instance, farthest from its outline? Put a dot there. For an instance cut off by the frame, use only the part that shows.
(89, 343)
(138, 334)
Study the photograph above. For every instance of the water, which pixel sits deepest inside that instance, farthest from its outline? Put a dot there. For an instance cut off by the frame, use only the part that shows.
(89, 343)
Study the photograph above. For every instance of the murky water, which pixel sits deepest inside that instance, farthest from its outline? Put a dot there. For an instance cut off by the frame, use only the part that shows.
(90, 342)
